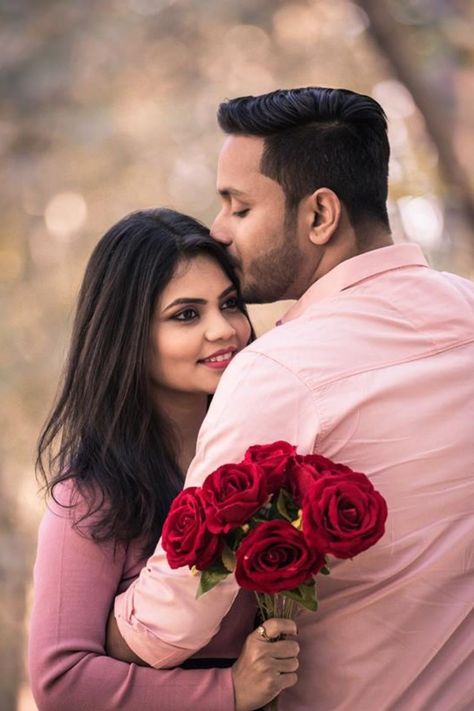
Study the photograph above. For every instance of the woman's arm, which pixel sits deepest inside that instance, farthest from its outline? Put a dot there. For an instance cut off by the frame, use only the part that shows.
(75, 583)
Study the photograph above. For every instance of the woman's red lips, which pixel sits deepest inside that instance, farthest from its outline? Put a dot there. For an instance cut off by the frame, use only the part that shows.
(219, 359)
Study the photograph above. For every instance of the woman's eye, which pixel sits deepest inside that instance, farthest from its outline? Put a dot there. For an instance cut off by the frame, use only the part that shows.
(186, 315)
(241, 213)
(232, 303)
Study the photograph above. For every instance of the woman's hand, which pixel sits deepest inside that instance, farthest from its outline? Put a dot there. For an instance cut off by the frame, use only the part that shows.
(264, 667)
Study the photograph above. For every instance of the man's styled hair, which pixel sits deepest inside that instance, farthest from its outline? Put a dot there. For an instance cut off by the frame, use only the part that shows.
(317, 137)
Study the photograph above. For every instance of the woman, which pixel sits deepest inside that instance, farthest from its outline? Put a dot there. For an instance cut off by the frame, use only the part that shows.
(159, 318)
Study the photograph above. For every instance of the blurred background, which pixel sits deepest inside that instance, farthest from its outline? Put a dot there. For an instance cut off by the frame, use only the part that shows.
(109, 105)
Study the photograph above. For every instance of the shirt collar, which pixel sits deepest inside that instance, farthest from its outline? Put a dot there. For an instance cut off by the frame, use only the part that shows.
(354, 270)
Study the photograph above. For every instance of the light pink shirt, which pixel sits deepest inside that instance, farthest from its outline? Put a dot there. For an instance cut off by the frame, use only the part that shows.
(373, 367)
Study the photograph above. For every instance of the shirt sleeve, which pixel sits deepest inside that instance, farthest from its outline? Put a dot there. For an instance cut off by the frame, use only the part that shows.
(75, 581)
(258, 401)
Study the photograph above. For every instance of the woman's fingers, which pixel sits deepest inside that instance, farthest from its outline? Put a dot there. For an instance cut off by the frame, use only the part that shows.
(283, 649)
(287, 680)
(287, 666)
(265, 667)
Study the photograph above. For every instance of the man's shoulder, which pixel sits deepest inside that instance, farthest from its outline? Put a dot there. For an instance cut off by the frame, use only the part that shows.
(316, 325)
(465, 287)
(278, 343)
(299, 347)
(368, 327)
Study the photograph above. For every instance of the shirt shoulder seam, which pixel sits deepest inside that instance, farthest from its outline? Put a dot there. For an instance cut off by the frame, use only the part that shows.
(390, 363)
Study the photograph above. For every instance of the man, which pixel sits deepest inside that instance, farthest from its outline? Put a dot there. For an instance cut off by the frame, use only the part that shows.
(371, 367)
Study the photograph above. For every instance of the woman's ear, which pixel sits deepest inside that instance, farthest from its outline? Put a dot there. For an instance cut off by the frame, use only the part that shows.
(323, 212)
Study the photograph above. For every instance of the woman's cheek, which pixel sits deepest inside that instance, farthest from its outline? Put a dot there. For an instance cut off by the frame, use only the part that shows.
(243, 329)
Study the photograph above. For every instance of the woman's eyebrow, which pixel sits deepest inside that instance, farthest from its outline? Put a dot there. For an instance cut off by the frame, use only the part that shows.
(197, 300)
(185, 300)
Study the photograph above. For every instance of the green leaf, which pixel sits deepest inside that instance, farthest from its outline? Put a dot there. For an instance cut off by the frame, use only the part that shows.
(228, 559)
(304, 595)
(324, 570)
(282, 505)
(210, 578)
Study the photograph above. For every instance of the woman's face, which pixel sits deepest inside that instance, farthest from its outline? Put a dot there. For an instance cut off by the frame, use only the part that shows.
(197, 328)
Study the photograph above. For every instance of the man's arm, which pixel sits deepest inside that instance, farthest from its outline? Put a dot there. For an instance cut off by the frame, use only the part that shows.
(258, 401)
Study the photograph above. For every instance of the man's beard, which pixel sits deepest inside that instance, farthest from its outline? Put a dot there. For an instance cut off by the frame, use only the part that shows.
(269, 277)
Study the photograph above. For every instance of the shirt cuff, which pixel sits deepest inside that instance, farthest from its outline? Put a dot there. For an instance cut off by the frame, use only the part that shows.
(155, 652)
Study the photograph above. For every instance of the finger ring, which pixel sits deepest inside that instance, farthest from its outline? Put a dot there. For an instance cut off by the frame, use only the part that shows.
(262, 633)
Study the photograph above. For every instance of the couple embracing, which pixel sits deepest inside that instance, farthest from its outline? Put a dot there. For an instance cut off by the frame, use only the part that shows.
(372, 367)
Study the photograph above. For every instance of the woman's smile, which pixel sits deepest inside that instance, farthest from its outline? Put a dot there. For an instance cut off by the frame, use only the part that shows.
(199, 322)
(219, 359)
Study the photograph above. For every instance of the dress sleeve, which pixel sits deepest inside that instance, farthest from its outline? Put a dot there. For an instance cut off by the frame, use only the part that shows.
(258, 401)
(75, 580)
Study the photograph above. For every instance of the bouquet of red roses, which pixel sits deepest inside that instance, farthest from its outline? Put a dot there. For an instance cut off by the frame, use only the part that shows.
(271, 520)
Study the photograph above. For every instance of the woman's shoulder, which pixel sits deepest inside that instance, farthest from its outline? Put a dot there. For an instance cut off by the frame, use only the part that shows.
(71, 513)
(74, 509)
(67, 500)
(67, 529)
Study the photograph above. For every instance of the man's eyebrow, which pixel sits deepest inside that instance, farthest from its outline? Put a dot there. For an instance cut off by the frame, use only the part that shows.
(189, 300)
(228, 192)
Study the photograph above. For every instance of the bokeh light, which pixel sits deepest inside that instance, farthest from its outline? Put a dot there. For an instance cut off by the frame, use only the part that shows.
(65, 214)
(422, 219)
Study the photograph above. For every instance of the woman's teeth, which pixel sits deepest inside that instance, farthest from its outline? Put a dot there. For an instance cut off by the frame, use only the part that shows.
(219, 358)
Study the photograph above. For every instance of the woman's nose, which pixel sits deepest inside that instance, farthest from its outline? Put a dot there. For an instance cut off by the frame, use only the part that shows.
(219, 328)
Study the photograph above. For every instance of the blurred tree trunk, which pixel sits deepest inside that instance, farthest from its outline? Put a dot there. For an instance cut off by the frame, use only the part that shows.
(396, 45)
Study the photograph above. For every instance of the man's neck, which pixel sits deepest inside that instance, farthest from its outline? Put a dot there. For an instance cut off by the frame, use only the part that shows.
(351, 245)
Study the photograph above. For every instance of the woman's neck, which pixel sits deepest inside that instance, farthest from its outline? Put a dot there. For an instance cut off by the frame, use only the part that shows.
(186, 411)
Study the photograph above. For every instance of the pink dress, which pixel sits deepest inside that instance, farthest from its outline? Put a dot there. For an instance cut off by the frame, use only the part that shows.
(75, 582)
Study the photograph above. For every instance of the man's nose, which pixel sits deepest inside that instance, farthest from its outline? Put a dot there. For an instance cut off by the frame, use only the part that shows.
(219, 231)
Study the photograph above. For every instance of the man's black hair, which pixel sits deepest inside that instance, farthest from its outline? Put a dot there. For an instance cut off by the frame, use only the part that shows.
(317, 137)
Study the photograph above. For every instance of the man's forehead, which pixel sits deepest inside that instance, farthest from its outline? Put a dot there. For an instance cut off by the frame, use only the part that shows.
(241, 150)
(239, 164)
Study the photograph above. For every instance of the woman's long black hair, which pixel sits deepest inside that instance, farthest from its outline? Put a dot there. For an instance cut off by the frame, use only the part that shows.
(104, 432)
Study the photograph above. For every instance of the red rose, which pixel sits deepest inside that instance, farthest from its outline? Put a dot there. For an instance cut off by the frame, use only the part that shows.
(304, 469)
(185, 537)
(323, 465)
(343, 514)
(273, 458)
(273, 557)
(232, 494)
(299, 478)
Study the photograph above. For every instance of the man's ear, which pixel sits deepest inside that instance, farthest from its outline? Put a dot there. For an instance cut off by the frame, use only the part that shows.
(322, 213)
